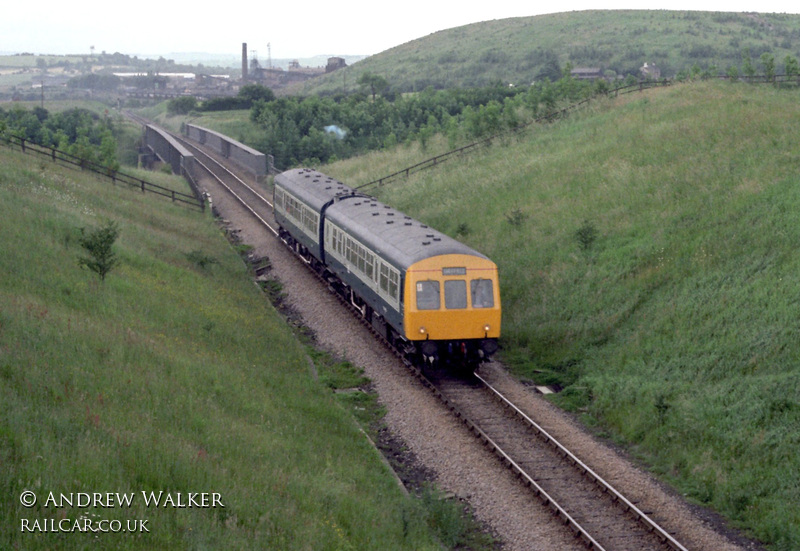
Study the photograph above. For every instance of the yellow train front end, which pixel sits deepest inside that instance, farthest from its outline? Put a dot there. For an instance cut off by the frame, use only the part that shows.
(452, 308)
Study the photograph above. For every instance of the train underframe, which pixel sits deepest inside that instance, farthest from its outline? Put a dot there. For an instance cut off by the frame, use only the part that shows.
(465, 354)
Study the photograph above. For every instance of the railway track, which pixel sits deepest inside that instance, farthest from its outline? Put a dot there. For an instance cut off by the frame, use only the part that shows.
(596, 513)
(248, 196)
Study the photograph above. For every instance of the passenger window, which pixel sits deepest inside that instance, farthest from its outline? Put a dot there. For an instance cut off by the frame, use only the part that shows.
(482, 293)
(455, 294)
(428, 295)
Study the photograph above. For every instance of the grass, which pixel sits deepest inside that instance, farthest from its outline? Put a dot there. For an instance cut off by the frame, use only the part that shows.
(521, 50)
(649, 269)
(173, 375)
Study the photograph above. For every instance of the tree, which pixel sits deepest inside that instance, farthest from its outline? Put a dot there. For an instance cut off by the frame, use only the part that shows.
(252, 93)
(550, 68)
(98, 243)
(747, 64)
(182, 105)
(768, 61)
(375, 83)
(792, 68)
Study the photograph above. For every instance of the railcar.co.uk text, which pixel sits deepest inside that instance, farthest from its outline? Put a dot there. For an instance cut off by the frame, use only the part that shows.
(89, 522)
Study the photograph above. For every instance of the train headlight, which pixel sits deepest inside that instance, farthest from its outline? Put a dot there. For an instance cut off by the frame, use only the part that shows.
(422, 330)
(487, 327)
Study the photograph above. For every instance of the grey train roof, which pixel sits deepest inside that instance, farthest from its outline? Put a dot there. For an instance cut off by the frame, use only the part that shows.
(312, 187)
(387, 231)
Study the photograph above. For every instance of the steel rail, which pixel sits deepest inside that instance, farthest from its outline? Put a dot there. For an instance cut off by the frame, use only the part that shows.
(244, 203)
(606, 487)
(527, 480)
(227, 170)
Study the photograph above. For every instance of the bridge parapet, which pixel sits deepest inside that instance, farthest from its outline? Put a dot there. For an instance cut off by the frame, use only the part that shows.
(248, 158)
(171, 152)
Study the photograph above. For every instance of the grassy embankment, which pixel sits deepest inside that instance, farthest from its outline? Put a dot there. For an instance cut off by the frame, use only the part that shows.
(648, 255)
(174, 375)
(522, 50)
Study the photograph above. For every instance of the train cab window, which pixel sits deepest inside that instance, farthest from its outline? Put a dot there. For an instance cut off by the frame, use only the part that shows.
(482, 293)
(428, 295)
(455, 294)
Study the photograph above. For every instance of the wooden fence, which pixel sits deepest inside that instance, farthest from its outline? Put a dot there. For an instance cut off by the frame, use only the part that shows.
(550, 117)
(433, 161)
(58, 156)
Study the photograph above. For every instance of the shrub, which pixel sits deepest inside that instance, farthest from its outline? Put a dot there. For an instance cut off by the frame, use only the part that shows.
(201, 259)
(98, 243)
(586, 235)
(182, 105)
(516, 217)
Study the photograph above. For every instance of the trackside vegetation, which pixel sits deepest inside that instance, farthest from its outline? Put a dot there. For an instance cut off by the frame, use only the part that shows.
(647, 248)
(174, 375)
(77, 131)
(313, 130)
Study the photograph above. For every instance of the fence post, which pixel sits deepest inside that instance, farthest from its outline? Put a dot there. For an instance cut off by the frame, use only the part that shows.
(22, 143)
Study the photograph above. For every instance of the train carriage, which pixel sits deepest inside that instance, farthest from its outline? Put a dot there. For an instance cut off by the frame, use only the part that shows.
(298, 199)
(426, 292)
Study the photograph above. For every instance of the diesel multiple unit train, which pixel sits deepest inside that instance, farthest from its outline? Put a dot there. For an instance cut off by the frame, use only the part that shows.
(433, 298)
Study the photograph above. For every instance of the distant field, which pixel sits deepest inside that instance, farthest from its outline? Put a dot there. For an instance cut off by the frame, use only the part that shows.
(647, 249)
(18, 69)
(32, 61)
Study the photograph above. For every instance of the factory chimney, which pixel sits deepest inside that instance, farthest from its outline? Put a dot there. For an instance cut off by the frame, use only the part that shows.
(244, 61)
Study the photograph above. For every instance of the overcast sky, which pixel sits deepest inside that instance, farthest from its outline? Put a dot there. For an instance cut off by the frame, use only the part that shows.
(292, 29)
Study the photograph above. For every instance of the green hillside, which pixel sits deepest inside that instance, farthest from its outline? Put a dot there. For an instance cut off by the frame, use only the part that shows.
(648, 257)
(175, 375)
(619, 42)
